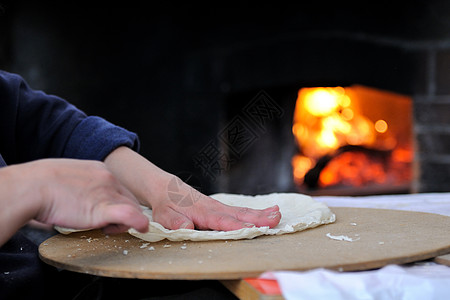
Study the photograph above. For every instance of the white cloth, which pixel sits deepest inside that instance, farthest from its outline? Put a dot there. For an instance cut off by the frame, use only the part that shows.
(422, 280)
(438, 203)
(426, 281)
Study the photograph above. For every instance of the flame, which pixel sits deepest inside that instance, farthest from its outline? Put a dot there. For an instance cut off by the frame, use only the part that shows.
(321, 102)
(333, 122)
(354, 169)
(302, 166)
(329, 118)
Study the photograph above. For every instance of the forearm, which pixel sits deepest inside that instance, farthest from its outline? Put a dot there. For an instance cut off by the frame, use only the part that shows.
(19, 203)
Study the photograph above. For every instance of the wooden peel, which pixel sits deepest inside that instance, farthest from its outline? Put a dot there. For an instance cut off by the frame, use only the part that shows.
(380, 237)
(443, 260)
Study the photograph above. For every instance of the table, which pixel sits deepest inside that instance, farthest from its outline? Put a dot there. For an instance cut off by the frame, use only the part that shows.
(271, 286)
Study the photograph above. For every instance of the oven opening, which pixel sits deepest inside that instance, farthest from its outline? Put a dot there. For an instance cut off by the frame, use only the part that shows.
(352, 140)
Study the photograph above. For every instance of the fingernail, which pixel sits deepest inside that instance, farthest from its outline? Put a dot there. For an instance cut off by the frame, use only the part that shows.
(274, 215)
(249, 225)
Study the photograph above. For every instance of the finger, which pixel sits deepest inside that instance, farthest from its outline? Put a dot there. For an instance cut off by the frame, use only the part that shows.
(272, 208)
(270, 216)
(224, 222)
(171, 219)
(140, 224)
(261, 218)
(126, 215)
(114, 228)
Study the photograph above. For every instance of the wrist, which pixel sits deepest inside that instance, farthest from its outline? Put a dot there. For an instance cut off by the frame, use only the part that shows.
(146, 181)
(26, 182)
(18, 200)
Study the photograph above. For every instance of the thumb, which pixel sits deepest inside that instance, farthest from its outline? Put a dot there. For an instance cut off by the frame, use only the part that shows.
(121, 217)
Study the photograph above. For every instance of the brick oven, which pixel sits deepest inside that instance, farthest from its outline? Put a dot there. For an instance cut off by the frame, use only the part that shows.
(266, 75)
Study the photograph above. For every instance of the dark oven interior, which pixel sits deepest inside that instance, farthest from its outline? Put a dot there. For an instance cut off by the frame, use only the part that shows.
(212, 90)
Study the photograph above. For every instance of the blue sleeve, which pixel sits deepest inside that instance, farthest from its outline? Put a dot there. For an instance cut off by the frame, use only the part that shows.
(36, 125)
(95, 138)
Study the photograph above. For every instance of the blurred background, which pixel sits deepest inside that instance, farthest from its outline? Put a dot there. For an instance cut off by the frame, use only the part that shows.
(179, 74)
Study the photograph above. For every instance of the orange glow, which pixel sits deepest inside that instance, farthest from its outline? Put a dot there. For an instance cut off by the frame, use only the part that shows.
(381, 126)
(301, 164)
(321, 102)
(354, 169)
(329, 118)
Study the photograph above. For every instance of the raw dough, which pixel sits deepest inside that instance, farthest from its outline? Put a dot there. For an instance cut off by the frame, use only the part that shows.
(299, 212)
(65, 230)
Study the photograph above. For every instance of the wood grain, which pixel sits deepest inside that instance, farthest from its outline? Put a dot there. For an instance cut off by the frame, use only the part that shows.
(381, 237)
(243, 290)
(443, 260)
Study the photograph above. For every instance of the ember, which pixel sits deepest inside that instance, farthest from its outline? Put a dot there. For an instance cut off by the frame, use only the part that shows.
(352, 136)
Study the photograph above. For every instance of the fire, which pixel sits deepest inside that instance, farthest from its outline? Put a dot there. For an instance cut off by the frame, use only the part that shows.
(343, 169)
(328, 119)
(321, 102)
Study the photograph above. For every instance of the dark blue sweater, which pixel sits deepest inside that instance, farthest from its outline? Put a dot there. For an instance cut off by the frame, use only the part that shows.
(35, 125)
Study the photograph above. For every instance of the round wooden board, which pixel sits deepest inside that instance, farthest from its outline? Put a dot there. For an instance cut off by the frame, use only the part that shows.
(380, 236)
(443, 260)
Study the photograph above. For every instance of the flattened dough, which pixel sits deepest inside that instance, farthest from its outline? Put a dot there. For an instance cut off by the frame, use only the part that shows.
(299, 212)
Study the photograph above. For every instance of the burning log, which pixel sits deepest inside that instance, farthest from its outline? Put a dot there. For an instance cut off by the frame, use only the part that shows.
(377, 157)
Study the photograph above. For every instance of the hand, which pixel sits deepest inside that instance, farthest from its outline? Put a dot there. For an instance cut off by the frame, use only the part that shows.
(208, 213)
(185, 207)
(69, 193)
(150, 185)
(84, 194)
